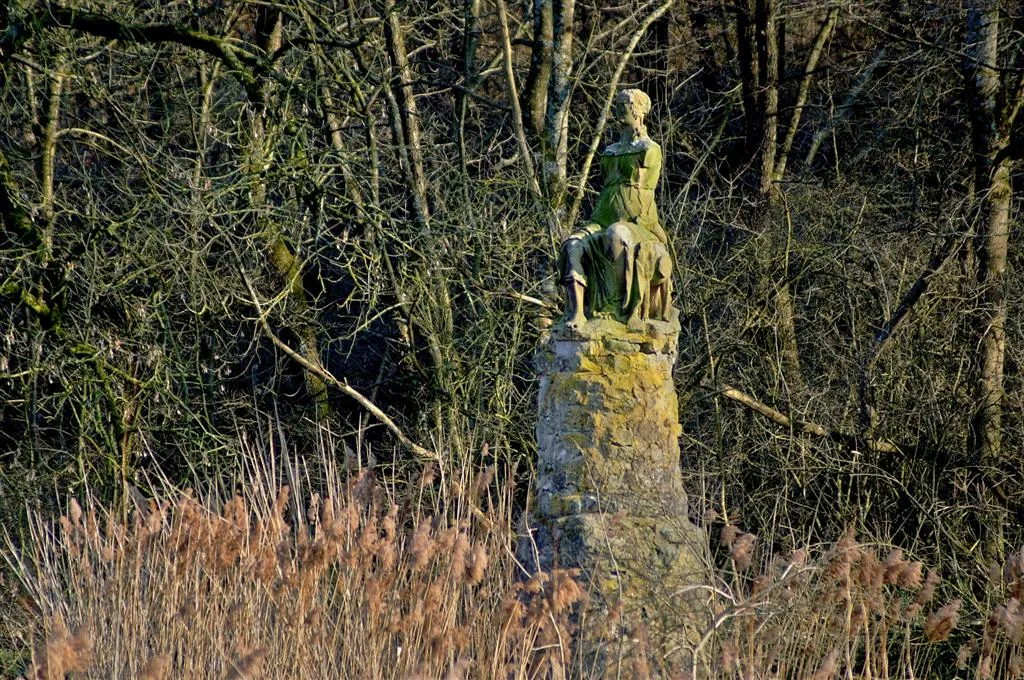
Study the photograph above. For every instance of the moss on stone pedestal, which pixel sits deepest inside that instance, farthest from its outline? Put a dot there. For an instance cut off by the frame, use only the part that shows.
(609, 487)
(608, 423)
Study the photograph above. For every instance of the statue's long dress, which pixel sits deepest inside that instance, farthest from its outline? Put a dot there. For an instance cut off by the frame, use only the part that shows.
(631, 175)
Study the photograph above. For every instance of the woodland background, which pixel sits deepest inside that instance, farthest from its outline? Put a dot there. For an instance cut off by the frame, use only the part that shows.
(331, 225)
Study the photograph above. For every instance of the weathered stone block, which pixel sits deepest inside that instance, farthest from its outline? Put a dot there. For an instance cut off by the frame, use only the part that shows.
(608, 422)
(609, 488)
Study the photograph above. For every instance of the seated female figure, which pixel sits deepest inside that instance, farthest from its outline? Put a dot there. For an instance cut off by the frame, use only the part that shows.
(618, 266)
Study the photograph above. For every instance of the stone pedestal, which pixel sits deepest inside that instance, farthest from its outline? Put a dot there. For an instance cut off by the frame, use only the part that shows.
(610, 497)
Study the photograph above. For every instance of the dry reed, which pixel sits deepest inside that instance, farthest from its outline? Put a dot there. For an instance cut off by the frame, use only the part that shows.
(363, 580)
(367, 579)
(855, 611)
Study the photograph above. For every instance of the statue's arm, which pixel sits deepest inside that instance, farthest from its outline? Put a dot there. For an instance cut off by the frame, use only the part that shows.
(650, 172)
(651, 167)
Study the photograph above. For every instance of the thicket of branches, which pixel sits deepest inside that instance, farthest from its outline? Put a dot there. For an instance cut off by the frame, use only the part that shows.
(337, 220)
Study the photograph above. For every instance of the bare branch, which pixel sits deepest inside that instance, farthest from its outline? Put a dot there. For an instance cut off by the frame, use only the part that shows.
(57, 16)
(517, 111)
(846, 107)
(330, 379)
(801, 426)
(595, 141)
(801, 97)
(935, 263)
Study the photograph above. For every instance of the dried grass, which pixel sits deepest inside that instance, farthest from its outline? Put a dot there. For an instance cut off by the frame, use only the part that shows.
(360, 580)
(854, 610)
(364, 579)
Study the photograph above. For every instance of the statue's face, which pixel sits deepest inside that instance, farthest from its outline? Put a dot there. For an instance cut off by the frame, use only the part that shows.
(624, 113)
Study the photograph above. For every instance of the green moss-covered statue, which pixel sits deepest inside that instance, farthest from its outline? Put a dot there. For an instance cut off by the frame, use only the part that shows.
(617, 266)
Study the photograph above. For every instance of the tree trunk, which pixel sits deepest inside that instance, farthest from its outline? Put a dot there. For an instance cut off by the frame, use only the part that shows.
(768, 94)
(748, 76)
(767, 41)
(408, 114)
(704, 37)
(556, 120)
(48, 153)
(436, 318)
(535, 91)
(525, 157)
(993, 189)
(801, 98)
(470, 41)
(286, 264)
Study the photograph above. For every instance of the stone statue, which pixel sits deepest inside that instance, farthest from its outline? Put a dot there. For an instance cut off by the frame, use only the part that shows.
(618, 266)
(610, 499)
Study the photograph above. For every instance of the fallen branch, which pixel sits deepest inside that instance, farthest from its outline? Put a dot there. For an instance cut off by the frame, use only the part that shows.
(330, 379)
(801, 426)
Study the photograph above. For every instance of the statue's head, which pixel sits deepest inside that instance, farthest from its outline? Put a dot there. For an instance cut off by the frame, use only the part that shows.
(631, 106)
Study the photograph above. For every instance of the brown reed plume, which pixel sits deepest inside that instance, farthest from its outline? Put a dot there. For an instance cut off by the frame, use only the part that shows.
(358, 579)
(856, 610)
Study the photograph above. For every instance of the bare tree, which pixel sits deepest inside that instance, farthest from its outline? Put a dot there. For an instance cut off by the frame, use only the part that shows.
(994, 104)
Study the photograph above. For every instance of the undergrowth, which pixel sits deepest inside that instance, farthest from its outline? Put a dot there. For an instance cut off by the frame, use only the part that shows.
(347, 574)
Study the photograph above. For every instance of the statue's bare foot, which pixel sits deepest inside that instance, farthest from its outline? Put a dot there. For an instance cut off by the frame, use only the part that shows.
(575, 322)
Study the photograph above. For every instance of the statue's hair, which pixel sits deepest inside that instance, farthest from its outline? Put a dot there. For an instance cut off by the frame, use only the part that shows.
(637, 100)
